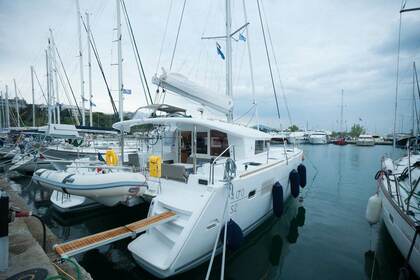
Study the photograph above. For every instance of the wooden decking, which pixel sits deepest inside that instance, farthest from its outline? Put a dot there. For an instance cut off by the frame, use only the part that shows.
(83, 244)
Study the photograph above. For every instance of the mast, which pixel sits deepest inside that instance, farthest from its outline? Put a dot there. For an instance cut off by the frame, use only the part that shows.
(56, 94)
(82, 81)
(89, 69)
(341, 113)
(48, 85)
(17, 104)
(7, 108)
(33, 97)
(120, 81)
(229, 57)
(51, 81)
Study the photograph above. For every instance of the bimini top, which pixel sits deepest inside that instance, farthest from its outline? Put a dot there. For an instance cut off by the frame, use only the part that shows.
(180, 122)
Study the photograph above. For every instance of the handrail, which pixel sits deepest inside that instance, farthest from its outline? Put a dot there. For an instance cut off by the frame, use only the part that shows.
(211, 175)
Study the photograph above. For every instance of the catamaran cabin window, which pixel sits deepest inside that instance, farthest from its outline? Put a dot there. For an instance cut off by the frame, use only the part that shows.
(202, 142)
(261, 146)
(218, 143)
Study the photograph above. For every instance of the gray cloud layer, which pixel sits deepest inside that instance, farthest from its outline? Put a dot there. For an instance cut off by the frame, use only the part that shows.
(321, 48)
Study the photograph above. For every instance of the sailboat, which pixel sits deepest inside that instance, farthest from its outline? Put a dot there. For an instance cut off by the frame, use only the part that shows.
(218, 175)
(398, 196)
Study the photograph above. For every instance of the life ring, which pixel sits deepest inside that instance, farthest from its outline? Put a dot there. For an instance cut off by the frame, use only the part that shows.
(111, 158)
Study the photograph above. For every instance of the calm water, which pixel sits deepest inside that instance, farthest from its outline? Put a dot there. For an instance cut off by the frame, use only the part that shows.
(324, 235)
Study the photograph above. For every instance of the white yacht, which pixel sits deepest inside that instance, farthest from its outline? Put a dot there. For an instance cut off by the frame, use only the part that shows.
(217, 172)
(365, 140)
(318, 138)
(296, 137)
(400, 199)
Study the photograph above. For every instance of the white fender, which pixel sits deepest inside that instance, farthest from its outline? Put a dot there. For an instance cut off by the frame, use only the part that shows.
(373, 209)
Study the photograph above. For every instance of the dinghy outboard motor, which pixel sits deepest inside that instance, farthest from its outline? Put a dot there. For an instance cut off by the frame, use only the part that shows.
(294, 183)
(302, 175)
(277, 199)
(235, 236)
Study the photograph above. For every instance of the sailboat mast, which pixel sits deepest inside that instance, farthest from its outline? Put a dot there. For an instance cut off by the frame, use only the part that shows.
(90, 70)
(82, 81)
(341, 113)
(54, 79)
(7, 108)
(48, 86)
(120, 81)
(17, 105)
(33, 96)
(229, 57)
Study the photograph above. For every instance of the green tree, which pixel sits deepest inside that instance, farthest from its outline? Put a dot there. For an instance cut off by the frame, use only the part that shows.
(356, 130)
(293, 128)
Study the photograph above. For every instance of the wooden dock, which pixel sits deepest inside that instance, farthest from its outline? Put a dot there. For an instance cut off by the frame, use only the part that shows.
(86, 243)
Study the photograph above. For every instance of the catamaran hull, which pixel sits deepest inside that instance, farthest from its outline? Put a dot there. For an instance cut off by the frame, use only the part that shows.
(108, 189)
(250, 205)
(400, 228)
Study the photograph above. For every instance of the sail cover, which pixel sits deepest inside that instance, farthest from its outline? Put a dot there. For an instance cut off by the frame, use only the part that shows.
(181, 85)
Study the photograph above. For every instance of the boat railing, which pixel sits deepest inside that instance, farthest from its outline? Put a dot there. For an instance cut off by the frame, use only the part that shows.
(214, 162)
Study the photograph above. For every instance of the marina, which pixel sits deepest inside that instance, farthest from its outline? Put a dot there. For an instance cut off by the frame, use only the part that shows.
(331, 214)
(223, 154)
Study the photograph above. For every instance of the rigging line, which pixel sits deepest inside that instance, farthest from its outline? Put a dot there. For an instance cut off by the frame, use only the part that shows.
(277, 65)
(177, 35)
(67, 96)
(244, 114)
(136, 59)
(397, 80)
(137, 53)
(40, 87)
(418, 91)
(67, 78)
(252, 116)
(268, 59)
(98, 61)
(164, 36)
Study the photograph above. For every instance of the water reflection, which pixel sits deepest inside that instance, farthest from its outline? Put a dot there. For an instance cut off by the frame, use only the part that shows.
(385, 261)
(271, 242)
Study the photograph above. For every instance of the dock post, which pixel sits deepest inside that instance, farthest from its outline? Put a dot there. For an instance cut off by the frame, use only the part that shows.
(4, 231)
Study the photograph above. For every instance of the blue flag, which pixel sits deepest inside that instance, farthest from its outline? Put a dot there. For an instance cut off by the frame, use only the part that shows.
(242, 37)
(126, 91)
(219, 51)
(93, 104)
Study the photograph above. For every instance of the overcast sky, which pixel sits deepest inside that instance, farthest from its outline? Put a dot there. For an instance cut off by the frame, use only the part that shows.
(321, 48)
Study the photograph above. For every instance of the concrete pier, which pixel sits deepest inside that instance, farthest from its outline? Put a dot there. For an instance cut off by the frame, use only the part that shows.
(25, 244)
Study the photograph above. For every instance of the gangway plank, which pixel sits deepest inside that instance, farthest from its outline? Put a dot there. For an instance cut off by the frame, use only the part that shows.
(90, 242)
